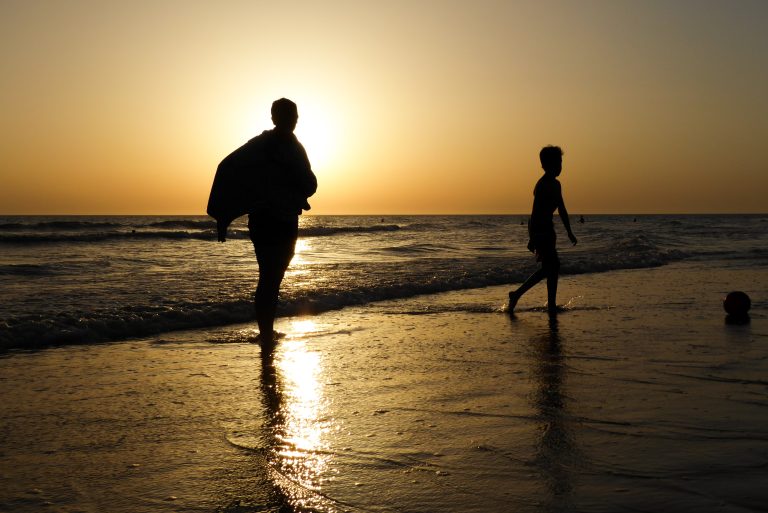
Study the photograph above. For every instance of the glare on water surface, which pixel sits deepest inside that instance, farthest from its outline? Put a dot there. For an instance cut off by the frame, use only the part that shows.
(301, 424)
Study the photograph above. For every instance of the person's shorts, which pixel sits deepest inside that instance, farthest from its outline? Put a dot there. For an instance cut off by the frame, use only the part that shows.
(266, 227)
(544, 247)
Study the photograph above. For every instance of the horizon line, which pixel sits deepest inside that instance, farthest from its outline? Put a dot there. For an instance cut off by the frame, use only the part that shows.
(571, 214)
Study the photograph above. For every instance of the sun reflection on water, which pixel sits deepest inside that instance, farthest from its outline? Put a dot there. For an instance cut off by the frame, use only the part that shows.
(299, 270)
(301, 426)
(302, 246)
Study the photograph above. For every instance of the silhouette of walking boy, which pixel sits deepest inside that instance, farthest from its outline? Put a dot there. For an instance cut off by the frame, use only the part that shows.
(269, 178)
(547, 197)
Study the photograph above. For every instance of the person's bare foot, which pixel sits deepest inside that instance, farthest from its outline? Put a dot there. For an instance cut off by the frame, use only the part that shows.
(554, 309)
(513, 299)
(268, 340)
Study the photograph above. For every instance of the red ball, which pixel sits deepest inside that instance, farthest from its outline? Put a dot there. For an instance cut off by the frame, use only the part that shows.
(737, 303)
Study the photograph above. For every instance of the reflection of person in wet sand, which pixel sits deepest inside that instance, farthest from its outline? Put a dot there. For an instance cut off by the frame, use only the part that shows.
(556, 450)
(272, 395)
(547, 197)
(269, 178)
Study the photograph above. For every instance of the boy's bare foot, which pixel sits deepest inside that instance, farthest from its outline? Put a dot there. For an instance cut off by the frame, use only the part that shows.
(513, 299)
(268, 341)
(554, 309)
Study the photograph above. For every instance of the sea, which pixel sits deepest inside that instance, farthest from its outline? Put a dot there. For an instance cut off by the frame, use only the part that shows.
(90, 279)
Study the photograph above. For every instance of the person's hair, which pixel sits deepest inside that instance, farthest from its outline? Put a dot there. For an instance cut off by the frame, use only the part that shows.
(550, 155)
(284, 107)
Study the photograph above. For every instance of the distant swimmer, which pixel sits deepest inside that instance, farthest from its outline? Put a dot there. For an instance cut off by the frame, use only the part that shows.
(547, 197)
(581, 219)
(269, 178)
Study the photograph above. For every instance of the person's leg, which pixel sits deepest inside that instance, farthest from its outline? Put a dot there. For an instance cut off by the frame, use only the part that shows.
(274, 240)
(515, 295)
(266, 291)
(544, 245)
(273, 261)
(552, 271)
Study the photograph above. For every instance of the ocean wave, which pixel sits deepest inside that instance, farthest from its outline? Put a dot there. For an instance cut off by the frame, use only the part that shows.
(58, 225)
(29, 332)
(184, 224)
(319, 231)
(27, 270)
(489, 248)
(422, 226)
(428, 255)
(634, 244)
(32, 332)
(72, 226)
(631, 252)
(204, 231)
(418, 248)
(50, 238)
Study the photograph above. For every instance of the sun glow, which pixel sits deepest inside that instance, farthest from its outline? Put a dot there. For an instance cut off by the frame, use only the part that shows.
(317, 128)
(317, 132)
(137, 109)
(302, 327)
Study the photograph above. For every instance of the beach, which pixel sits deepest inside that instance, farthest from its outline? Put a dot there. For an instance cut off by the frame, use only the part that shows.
(638, 397)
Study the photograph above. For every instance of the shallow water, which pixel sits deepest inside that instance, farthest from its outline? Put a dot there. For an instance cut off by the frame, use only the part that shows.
(66, 280)
(637, 397)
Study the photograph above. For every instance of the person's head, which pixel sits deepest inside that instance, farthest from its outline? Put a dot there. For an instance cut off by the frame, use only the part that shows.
(551, 158)
(284, 114)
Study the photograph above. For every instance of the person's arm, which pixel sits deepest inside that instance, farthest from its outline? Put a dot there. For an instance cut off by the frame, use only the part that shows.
(221, 229)
(531, 247)
(564, 215)
(308, 178)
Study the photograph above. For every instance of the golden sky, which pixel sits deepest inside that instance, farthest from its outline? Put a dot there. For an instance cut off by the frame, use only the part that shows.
(414, 106)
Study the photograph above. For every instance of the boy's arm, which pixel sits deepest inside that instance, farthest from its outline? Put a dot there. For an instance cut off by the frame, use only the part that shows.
(564, 215)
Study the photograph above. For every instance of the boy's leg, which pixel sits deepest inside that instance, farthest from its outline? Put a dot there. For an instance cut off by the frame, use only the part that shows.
(552, 271)
(515, 295)
(552, 292)
(544, 245)
(273, 261)
(274, 240)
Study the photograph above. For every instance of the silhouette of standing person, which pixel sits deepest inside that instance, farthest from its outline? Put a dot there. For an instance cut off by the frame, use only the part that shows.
(269, 178)
(547, 197)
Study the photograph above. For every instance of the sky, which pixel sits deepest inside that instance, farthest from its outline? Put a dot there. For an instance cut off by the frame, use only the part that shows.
(405, 107)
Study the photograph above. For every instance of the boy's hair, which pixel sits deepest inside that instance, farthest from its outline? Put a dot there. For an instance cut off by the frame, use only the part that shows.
(550, 155)
(283, 107)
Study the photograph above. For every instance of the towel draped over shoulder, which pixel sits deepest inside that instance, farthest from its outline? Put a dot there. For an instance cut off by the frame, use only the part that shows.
(269, 173)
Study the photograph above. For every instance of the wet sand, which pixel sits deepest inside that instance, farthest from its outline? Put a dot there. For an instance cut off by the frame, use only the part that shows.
(639, 397)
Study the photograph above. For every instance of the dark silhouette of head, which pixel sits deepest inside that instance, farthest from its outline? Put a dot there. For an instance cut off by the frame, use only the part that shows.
(285, 114)
(551, 158)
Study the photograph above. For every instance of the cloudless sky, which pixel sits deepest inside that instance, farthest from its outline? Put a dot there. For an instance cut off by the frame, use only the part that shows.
(413, 106)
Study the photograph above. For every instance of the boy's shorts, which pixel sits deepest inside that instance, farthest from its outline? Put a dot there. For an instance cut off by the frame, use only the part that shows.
(268, 227)
(544, 247)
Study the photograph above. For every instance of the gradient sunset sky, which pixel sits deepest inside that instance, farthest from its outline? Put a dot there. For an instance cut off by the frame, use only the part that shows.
(405, 106)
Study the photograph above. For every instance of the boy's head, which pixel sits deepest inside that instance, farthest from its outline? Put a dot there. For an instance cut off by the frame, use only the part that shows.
(551, 158)
(284, 114)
